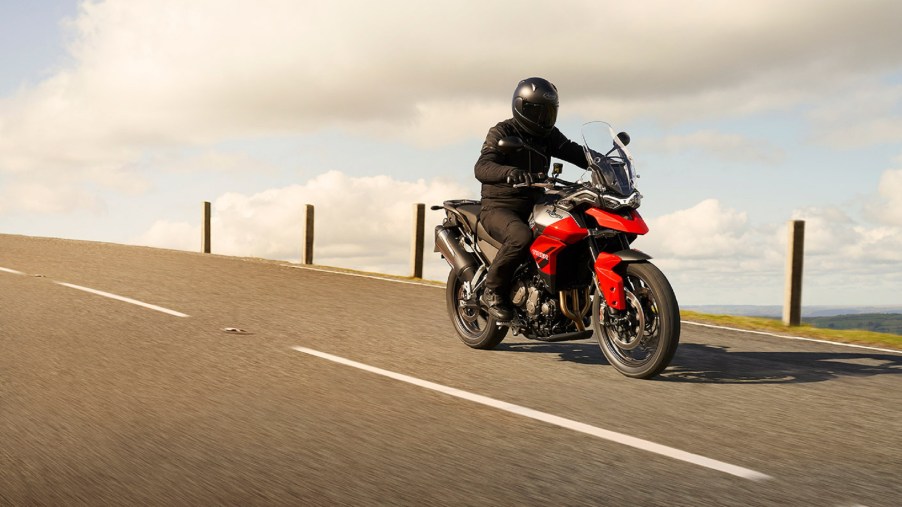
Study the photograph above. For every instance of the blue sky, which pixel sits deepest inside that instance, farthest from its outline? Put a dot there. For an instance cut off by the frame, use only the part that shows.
(118, 118)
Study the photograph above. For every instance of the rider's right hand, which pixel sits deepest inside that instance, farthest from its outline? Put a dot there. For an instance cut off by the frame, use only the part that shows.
(518, 176)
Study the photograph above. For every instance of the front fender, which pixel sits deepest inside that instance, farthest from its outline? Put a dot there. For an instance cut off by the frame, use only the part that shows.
(610, 284)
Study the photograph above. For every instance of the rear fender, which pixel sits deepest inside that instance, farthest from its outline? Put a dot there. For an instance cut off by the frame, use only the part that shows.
(610, 283)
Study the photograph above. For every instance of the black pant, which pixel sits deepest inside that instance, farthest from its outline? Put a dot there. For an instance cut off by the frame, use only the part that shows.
(507, 225)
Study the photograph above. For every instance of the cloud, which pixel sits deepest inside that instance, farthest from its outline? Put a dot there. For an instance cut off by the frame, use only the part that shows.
(887, 209)
(154, 73)
(704, 231)
(34, 197)
(726, 147)
(360, 222)
(867, 115)
(711, 253)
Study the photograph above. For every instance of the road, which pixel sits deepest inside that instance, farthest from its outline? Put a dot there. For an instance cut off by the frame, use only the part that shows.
(129, 385)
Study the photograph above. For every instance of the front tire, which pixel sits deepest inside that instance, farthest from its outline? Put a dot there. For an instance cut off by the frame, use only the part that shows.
(641, 341)
(473, 324)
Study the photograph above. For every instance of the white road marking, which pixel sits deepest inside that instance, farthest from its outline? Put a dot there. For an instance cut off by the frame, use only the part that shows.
(595, 431)
(360, 275)
(124, 299)
(800, 338)
(13, 271)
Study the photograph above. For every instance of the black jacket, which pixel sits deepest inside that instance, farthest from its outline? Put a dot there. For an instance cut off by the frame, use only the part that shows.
(493, 166)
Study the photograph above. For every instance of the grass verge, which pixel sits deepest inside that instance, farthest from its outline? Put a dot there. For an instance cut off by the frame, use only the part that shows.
(885, 340)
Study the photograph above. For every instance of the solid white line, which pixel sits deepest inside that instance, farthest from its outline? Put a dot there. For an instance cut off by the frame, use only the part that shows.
(612, 436)
(124, 299)
(800, 338)
(374, 277)
(13, 271)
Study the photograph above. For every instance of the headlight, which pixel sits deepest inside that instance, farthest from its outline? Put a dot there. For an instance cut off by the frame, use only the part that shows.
(612, 202)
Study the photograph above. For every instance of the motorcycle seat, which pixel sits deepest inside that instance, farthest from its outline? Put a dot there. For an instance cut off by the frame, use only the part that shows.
(469, 210)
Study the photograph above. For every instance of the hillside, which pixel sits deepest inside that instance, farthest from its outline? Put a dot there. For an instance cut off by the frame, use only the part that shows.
(877, 322)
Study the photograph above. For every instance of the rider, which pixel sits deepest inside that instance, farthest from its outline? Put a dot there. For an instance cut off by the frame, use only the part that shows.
(505, 209)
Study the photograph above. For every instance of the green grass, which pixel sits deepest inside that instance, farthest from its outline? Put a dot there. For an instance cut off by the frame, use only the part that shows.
(776, 326)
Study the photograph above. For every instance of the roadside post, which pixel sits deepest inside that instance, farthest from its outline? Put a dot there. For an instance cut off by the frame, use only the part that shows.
(792, 302)
(307, 257)
(205, 229)
(416, 244)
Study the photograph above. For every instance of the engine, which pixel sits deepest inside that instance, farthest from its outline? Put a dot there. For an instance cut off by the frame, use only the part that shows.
(537, 307)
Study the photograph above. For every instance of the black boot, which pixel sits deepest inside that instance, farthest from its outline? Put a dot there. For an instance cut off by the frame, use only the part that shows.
(496, 305)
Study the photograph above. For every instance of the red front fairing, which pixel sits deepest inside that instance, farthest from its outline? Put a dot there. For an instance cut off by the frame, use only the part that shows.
(631, 225)
(610, 283)
(554, 238)
(566, 230)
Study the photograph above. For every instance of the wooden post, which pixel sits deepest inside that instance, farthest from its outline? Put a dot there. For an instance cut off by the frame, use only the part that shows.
(307, 257)
(792, 303)
(205, 229)
(416, 245)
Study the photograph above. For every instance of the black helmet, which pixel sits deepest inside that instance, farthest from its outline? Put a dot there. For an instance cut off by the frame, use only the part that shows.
(535, 106)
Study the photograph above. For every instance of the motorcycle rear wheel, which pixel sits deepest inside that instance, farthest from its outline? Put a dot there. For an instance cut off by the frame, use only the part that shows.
(640, 342)
(474, 326)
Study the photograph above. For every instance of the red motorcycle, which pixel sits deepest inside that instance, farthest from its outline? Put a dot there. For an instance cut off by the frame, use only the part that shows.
(581, 273)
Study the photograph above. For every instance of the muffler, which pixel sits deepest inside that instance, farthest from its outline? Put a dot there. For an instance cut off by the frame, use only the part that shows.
(464, 263)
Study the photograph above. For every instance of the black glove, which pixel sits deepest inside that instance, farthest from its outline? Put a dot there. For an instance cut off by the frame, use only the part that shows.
(517, 176)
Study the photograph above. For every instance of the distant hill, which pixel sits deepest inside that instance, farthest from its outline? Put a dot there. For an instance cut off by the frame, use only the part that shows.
(878, 322)
(881, 319)
(775, 311)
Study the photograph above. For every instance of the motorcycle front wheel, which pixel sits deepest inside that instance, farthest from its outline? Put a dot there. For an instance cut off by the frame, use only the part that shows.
(640, 341)
(473, 324)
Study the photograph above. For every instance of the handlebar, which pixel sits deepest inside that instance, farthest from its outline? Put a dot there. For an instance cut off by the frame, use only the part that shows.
(548, 184)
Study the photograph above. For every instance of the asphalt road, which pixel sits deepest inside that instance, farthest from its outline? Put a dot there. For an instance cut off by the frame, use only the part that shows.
(348, 390)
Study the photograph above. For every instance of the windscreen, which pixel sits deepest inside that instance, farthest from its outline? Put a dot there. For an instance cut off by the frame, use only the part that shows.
(609, 159)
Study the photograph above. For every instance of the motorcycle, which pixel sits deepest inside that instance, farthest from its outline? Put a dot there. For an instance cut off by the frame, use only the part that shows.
(580, 273)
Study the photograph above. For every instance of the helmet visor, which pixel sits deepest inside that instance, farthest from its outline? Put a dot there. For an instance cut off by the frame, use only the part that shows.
(543, 115)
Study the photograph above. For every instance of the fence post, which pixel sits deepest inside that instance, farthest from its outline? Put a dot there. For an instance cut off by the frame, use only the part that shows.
(205, 229)
(307, 257)
(792, 302)
(416, 245)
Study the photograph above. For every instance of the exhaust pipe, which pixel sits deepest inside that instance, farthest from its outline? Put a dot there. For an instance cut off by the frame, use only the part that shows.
(464, 264)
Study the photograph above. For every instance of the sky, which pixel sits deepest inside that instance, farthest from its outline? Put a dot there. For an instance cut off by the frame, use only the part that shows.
(119, 118)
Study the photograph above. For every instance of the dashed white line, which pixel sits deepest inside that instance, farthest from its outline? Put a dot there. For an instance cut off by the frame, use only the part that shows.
(13, 271)
(595, 431)
(123, 299)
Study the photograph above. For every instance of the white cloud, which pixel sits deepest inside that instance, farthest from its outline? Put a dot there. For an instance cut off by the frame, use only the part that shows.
(36, 197)
(152, 73)
(361, 223)
(705, 231)
(726, 147)
(888, 207)
(175, 235)
(712, 254)
(870, 113)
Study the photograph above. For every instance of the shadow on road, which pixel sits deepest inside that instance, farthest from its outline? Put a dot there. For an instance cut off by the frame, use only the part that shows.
(702, 363)
(586, 352)
(712, 364)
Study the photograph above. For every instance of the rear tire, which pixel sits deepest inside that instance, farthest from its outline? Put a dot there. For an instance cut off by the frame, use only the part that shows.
(473, 324)
(641, 343)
